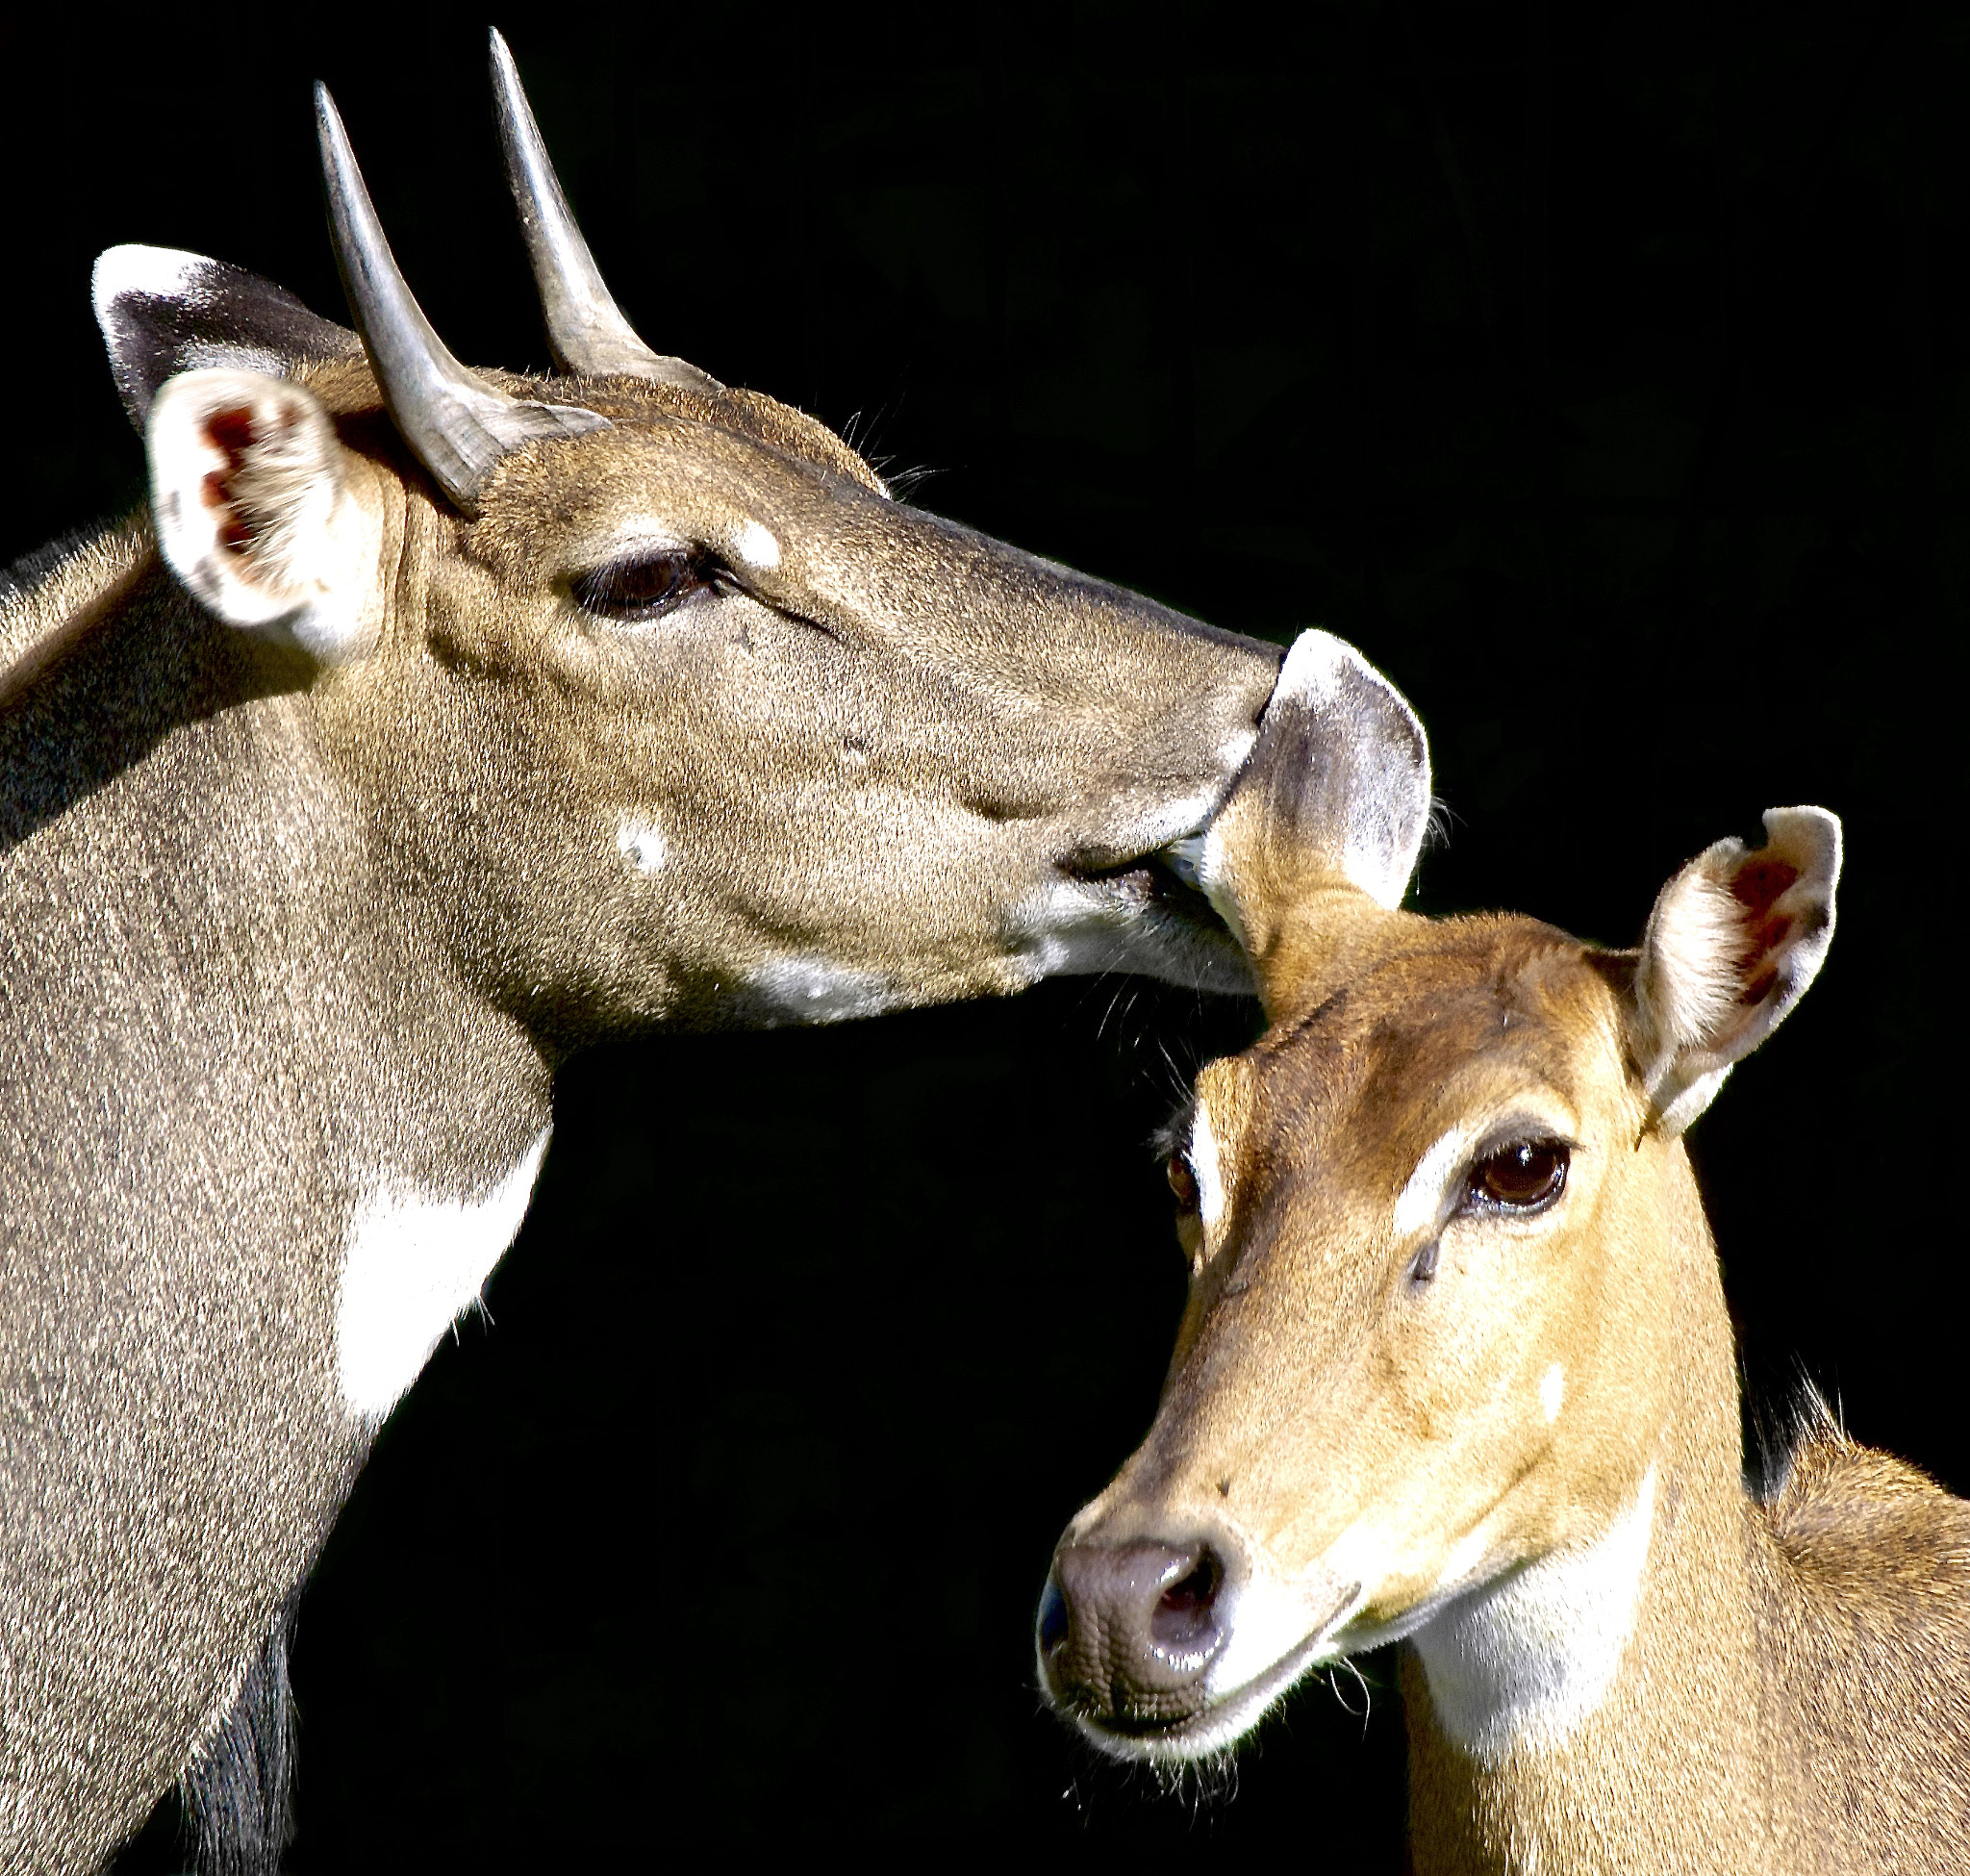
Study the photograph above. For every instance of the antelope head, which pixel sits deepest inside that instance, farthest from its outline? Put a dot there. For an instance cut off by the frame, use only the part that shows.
(656, 702)
(1437, 1323)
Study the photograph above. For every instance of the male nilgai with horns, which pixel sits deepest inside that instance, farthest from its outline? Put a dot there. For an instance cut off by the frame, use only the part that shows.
(431, 723)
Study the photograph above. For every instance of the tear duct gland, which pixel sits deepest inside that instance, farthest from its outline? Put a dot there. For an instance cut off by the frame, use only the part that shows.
(432, 724)
(1456, 1371)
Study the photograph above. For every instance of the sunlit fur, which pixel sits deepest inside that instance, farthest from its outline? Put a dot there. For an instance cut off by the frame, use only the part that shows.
(300, 923)
(1623, 1660)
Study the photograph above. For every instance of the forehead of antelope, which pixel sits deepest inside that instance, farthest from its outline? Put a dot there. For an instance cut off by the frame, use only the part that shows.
(1405, 1022)
(751, 425)
(1339, 1146)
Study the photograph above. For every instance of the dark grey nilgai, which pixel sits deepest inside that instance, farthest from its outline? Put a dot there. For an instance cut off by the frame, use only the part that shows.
(430, 723)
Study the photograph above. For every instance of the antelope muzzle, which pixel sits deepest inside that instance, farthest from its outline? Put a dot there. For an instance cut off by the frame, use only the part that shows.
(1128, 1633)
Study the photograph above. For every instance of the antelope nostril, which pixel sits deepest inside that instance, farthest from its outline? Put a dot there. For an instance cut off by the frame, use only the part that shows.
(1182, 1617)
(1054, 1622)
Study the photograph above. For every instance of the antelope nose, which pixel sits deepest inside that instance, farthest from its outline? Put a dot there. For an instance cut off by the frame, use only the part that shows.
(1128, 1632)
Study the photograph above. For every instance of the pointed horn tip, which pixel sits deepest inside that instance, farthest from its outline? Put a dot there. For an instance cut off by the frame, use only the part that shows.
(336, 152)
(502, 53)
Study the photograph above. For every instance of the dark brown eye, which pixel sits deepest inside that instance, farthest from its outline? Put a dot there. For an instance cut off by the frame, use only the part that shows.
(1182, 1181)
(649, 586)
(1526, 1176)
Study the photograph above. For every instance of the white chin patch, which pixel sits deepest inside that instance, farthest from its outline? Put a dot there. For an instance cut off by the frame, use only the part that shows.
(811, 990)
(1525, 1661)
(412, 1262)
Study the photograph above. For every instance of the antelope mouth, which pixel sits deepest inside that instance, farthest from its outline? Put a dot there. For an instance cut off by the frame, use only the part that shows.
(1137, 915)
(1224, 1718)
(1151, 881)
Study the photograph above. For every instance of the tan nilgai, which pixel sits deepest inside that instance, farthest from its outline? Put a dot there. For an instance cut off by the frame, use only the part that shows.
(1456, 1371)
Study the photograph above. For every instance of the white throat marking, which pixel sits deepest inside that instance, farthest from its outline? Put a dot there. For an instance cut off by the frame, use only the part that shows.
(411, 1263)
(1525, 1661)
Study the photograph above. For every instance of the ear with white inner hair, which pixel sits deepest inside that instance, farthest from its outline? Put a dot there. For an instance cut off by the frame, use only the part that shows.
(254, 513)
(1733, 941)
(1335, 793)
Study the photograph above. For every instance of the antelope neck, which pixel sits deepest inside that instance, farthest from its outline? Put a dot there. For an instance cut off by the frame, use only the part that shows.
(1601, 1709)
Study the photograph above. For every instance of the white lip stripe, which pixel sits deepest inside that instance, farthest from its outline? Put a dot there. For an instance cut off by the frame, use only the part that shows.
(1421, 1203)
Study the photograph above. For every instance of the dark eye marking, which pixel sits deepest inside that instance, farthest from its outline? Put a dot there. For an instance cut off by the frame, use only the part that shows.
(647, 585)
(1519, 1180)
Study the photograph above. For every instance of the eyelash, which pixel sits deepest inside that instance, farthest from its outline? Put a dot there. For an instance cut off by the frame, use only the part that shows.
(636, 591)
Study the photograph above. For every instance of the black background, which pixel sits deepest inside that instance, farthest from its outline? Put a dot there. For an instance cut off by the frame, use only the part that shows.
(1599, 371)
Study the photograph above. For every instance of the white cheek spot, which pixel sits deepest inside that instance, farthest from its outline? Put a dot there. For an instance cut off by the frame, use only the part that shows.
(412, 1262)
(1552, 1391)
(811, 990)
(1207, 1169)
(1525, 1662)
(756, 547)
(1422, 1201)
(640, 842)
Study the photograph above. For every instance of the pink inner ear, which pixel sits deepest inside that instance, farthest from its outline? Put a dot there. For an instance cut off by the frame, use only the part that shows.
(232, 432)
(1756, 886)
(1758, 882)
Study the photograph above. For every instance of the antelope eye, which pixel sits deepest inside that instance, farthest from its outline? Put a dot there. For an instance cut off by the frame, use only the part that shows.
(1526, 1176)
(1182, 1181)
(647, 585)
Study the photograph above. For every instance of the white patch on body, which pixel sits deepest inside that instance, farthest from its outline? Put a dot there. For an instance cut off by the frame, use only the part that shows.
(642, 843)
(754, 545)
(1419, 1207)
(1207, 1169)
(412, 1262)
(1524, 1661)
(813, 990)
(1552, 1391)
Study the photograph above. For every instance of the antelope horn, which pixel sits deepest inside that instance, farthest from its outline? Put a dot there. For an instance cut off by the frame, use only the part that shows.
(458, 426)
(586, 329)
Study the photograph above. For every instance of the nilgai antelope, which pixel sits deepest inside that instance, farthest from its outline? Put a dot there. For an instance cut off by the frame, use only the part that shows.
(1456, 1370)
(431, 723)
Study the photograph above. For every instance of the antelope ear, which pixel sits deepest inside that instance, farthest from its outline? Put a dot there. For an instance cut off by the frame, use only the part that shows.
(1336, 792)
(254, 512)
(162, 312)
(1733, 942)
